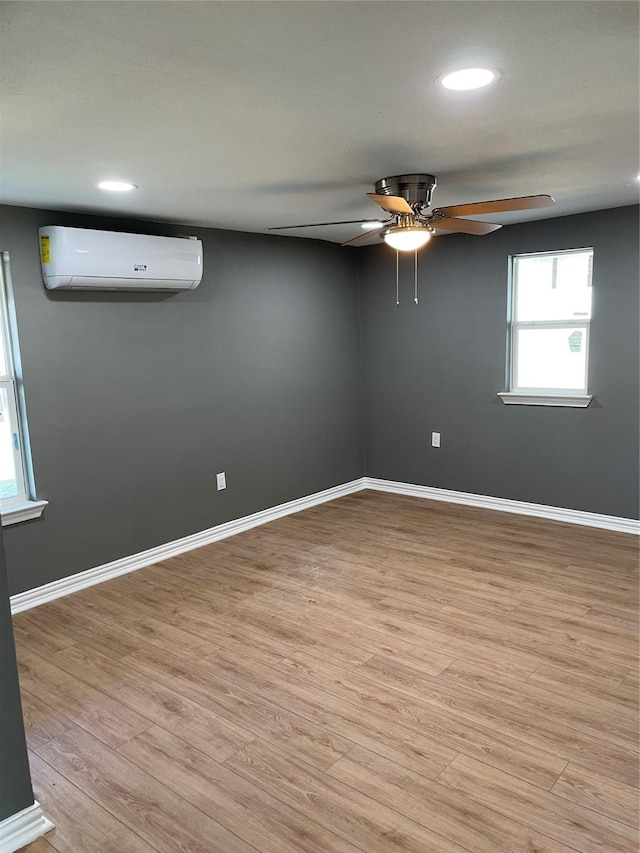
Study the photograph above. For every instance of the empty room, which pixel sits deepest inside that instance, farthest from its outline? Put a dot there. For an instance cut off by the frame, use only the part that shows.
(319, 426)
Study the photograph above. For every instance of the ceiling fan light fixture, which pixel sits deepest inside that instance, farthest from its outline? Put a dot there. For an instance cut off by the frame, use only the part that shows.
(468, 78)
(407, 238)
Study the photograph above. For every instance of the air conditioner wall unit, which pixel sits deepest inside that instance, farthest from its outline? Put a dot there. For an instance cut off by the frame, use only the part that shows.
(84, 259)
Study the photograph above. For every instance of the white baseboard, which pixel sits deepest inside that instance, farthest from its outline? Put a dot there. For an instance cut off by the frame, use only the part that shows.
(553, 513)
(82, 580)
(22, 828)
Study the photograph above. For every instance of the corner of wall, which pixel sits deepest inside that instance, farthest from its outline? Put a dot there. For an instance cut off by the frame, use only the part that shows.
(361, 349)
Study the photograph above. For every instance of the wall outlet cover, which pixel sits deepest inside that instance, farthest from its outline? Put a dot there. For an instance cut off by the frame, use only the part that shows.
(221, 481)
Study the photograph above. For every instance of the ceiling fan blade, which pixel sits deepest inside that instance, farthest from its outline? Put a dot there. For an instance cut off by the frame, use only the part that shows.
(319, 224)
(464, 226)
(501, 205)
(391, 203)
(361, 238)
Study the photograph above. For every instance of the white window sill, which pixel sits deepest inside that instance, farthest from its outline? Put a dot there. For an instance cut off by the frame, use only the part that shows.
(22, 512)
(514, 398)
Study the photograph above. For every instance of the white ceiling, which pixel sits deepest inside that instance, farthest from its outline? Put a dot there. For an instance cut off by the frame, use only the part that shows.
(245, 115)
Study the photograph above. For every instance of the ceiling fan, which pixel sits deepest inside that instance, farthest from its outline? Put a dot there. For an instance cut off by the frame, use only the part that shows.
(411, 225)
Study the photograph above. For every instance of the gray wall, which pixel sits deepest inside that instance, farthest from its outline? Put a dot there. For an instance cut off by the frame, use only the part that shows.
(438, 366)
(15, 780)
(135, 401)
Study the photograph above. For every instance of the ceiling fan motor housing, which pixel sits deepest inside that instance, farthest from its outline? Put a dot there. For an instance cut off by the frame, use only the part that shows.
(415, 189)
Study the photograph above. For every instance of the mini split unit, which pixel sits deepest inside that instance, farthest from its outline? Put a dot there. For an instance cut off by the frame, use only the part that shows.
(82, 259)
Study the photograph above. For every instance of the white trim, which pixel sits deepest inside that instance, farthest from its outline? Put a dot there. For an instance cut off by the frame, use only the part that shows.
(8, 391)
(518, 398)
(571, 516)
(82, 580)
(544, 396)
(553, 252)
(13, 378)
(23, 828)
(14, 513)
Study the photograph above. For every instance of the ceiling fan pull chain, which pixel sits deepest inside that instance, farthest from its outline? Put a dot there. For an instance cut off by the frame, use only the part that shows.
(397, 279)
(415, 277)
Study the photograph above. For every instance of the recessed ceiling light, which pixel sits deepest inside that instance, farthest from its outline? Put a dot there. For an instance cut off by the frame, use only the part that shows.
(368, 226)
(468, 78)
(116, 186)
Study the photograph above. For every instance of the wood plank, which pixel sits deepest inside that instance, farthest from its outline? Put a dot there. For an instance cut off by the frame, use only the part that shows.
(155, 598)
(446, 572)
(85, 706)
(362, 725)
(300, 676)
(188, 720)
(617, 614)
(601, 630)
(41, 722)
(527, 636)
(555, 817)
(514, 536)
(276, 723)
(80, 823)
(233, 636)
(331, 803)
(268, 622)
(505, 561)
(437, 807)
(526, 719)
(630, 689)
(65, 615)
(477, 590)
(197, 612)
(257, 622)
(609, 697)
(30, 635)
(460, 633)
(158, 815)
(606, 721)
(260, 819)
(148, 629)
(39, 846)
(325, 623)
(599, 793)
(394, 637)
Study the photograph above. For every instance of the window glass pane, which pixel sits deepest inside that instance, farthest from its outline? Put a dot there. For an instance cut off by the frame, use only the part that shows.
(8, 478)
(551, 358)
(553, 287)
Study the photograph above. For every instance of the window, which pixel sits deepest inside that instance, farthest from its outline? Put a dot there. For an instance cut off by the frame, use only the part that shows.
(550, 306)
(17, 501)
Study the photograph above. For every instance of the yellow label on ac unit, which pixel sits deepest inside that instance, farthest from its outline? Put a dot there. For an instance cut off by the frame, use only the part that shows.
(45, 249)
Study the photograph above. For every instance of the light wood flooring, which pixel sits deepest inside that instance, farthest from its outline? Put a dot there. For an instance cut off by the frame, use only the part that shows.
(376, 674)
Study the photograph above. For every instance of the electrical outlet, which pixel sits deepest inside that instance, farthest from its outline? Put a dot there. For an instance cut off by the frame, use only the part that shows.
(435, 439)
(221, 480)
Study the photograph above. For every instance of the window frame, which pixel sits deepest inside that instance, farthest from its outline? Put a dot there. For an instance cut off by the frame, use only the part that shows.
(8, 385)
(24, 505)
(527, 395)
